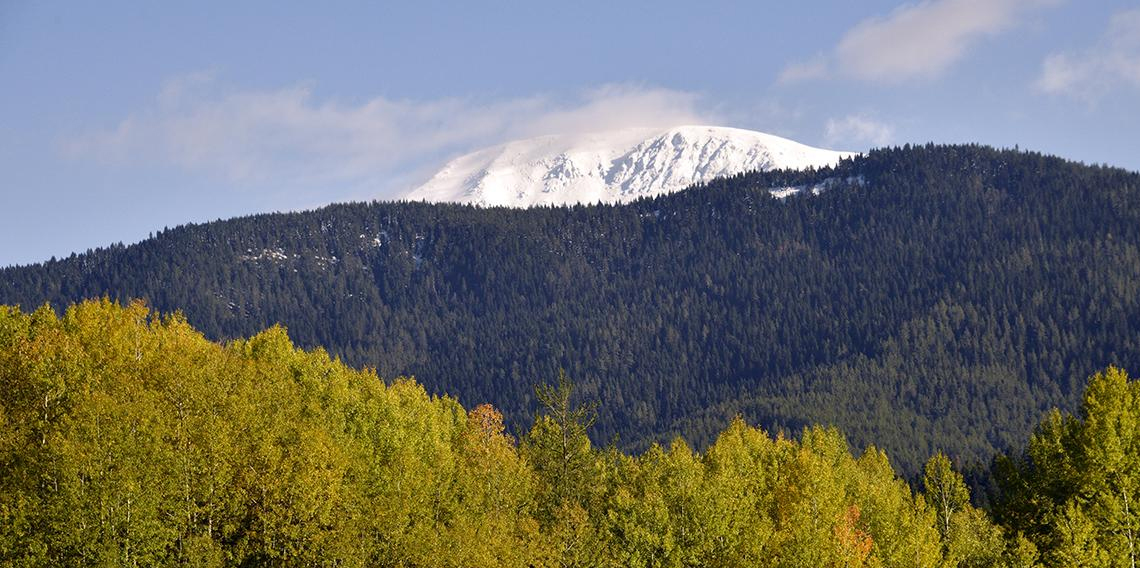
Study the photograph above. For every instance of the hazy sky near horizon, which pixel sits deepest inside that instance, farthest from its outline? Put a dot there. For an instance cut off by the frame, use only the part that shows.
(120, 118)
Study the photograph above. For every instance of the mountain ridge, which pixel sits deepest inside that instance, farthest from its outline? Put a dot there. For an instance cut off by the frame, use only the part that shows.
(932, 297)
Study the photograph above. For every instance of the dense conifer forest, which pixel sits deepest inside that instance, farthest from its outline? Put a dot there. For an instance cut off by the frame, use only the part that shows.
(930, 298)
(129, 439)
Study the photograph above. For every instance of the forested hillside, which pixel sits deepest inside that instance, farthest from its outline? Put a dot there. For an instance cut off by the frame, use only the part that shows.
(935, 297)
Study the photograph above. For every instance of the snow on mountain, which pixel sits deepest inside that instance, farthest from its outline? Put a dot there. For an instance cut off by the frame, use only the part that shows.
(615, 166)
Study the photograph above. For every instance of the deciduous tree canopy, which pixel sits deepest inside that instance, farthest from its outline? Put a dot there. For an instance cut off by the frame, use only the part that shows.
(129, 439)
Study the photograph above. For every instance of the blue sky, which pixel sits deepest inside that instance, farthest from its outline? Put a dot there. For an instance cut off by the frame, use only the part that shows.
(121, 118)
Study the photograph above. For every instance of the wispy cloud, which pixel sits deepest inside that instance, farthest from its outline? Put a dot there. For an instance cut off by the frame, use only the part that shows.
(815, 68)
(292, 137)
(858, 131)
(1112, 63)
(915, 41)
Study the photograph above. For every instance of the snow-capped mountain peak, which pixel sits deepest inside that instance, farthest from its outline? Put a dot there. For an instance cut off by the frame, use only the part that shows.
(613, 166)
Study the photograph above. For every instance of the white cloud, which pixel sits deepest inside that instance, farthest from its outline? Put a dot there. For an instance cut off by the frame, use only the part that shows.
(858, 131)
(290, 137)
(1113, 62)
(915, 41)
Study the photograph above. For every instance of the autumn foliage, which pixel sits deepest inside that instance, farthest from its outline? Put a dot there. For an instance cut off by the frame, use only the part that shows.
(127, 438)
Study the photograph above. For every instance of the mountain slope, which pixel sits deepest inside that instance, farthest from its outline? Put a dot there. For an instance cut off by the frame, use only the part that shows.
(942, 300)
(612, 167)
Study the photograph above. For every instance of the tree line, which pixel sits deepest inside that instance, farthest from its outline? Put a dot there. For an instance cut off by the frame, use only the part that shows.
(129, 439)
